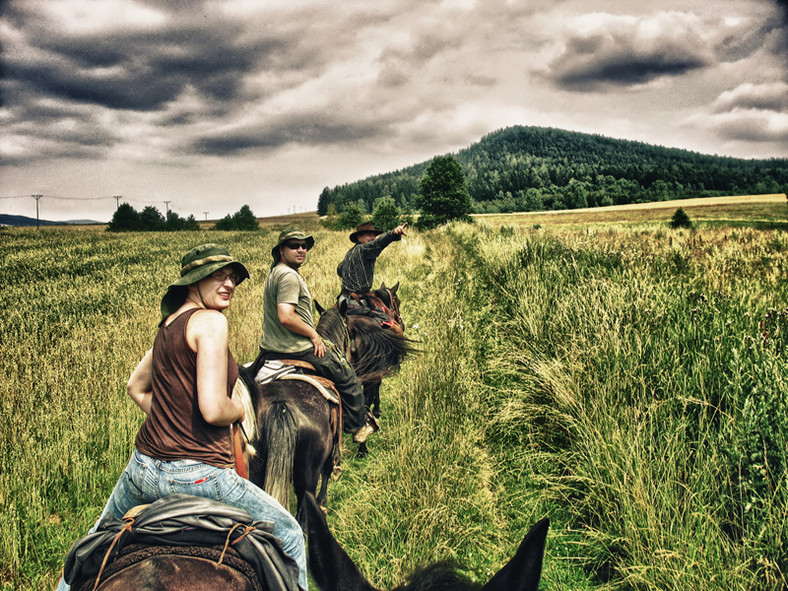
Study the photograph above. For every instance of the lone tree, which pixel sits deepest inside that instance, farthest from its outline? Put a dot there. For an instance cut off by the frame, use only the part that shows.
(243, 219)
(350, 217)
(680, 219)
(386, 214)
(443, 194)
(125, 219)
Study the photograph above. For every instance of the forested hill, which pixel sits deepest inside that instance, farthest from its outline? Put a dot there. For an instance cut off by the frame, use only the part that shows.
(536, 168)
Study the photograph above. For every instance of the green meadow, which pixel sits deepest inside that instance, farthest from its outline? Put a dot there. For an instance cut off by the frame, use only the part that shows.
(627, 380)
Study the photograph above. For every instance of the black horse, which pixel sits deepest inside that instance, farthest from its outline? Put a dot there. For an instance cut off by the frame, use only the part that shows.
(332, 569)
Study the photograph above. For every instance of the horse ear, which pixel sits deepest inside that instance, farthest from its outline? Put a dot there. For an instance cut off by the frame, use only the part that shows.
(320, 309)
(329, 564)
(395, 288)
(522, 573)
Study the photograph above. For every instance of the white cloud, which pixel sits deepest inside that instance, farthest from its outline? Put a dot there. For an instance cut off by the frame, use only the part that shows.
(91, 16)
(767, 96)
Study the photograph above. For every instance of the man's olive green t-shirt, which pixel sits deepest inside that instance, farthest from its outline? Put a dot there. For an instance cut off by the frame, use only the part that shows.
(285, 286)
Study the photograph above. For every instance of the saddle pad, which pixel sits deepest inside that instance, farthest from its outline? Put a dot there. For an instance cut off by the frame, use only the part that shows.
(324, 386)
(272, 369)
(185, 520)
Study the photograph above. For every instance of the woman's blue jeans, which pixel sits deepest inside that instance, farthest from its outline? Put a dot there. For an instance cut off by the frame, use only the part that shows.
(146, 479)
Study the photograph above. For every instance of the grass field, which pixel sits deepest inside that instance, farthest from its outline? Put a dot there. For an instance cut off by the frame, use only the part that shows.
(625, 379)
(764, 211)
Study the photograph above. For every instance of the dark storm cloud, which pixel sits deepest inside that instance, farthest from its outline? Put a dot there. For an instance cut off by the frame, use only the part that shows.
(624, 70)
(140, 71)
(624, 51)
(144, 67)
(316, 129)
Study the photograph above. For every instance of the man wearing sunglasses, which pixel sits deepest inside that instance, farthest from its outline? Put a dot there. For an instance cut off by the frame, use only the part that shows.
(289, 331)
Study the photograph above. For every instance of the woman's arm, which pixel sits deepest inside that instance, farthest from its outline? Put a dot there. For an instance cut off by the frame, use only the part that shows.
(140, 386)
(207, 334)
(289, 318)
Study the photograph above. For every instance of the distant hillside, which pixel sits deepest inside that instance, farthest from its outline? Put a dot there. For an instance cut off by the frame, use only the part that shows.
(535, 169)
(23, 220)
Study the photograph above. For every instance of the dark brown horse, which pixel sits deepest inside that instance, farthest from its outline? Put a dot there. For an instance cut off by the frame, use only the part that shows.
(176, 568)
(297, 429)
(297, 442)
(377, 342)
(330, 567)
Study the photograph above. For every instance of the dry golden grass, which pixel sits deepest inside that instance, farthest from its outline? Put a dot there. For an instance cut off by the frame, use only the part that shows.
(743, 208)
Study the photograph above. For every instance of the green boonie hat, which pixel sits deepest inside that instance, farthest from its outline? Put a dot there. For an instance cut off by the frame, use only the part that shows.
(197, 264)
(290, 234)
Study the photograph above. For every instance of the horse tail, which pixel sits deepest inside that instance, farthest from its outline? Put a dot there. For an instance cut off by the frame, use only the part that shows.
(280, 432)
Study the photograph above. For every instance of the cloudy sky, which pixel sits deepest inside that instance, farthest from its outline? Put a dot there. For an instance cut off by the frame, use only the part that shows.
(213, 105)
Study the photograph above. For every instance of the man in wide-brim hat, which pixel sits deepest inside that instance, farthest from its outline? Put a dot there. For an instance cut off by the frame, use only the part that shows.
(357, 269)
(289, 331)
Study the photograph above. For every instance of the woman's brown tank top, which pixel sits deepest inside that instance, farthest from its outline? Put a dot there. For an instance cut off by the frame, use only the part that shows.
(175, 428)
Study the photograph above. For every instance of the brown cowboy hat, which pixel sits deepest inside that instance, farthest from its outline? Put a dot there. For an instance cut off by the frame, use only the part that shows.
(363, 229)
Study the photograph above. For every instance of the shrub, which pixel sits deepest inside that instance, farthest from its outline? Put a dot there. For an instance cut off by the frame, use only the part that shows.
(680, 219)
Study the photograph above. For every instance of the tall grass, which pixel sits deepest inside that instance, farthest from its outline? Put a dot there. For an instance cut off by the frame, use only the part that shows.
(629, 382)
(649, 367)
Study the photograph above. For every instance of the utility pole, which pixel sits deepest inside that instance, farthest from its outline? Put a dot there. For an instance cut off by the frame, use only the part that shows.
(117, 199)
(167, 209)
(206, 215)
(37, 197)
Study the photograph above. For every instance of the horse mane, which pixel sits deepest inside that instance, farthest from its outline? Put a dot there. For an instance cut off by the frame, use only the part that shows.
(441, 576)
(379, 350)
(331, 326)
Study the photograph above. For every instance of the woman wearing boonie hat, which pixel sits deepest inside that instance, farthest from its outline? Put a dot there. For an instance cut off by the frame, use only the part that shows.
(184, 385)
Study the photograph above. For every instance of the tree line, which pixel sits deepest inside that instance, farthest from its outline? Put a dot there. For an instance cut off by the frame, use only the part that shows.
(150, 219)
(536, 169)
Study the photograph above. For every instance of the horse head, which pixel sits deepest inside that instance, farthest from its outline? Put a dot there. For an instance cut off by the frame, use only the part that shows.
(333, 569)
(388, 295)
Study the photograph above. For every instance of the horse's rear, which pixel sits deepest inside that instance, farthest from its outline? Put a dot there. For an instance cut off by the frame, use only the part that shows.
(298, 442)
(177, 568)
